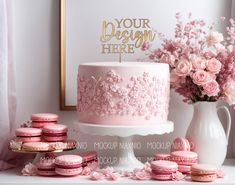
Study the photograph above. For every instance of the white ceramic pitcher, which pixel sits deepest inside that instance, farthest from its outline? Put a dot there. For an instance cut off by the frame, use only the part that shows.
(206, 133)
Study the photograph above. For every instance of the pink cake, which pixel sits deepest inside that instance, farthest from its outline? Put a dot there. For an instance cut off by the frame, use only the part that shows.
(126, 93)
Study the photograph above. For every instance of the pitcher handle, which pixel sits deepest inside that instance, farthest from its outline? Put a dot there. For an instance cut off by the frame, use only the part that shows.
(228, 120)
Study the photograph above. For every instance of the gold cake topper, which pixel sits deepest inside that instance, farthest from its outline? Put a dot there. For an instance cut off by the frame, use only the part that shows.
(125, 35)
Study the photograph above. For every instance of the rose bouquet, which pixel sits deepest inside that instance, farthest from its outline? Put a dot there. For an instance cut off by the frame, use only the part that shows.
(201, 60)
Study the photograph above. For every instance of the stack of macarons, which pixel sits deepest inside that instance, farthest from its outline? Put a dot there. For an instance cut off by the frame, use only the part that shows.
(163, 169)
(40, 120)
(46, 167)
(42, 128)
(88, 157)
(184, 159)
(181, 154)
(55, 132)
(68, 165)
(203, 173)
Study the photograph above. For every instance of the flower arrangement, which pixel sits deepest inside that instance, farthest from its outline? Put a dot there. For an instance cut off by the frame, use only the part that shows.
(201, 60)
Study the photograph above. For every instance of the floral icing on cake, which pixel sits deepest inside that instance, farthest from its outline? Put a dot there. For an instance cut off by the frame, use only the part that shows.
(143, 96)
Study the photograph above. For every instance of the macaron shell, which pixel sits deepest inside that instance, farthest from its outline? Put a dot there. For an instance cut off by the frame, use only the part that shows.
(203, 178)
(28, 132)
(55, 139)
(44, 117)
(55, 128)
(41, 124)
(187, 162)
(180, 144)
(28, 139)
(162, 157)
(162, 166)
(162, 177)
(204, 169)
(36, 146)
(67, 160)
(68, 172)
(184, 157)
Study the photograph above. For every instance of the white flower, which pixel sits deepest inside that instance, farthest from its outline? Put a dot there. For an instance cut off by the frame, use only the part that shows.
(214, 38)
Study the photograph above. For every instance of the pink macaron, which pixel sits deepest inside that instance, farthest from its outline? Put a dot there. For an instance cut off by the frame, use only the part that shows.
(46, 167)
(36, 146)
(162, 157)
(180, 144)
(55, 132)
(184, 157)
(203, 173)
(68, 165)
(88, 157)
(44, 117)
(28, 134)
(162, 169)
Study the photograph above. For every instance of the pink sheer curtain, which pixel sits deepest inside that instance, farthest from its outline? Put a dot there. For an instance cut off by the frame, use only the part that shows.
(8, 159)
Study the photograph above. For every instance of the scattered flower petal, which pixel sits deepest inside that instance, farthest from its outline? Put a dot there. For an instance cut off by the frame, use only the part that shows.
(29, 170)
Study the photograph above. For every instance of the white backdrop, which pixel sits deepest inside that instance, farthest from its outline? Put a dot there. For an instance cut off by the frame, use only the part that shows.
(36, 42)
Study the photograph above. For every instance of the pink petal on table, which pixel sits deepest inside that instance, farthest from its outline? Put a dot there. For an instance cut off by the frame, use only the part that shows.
(142, 175)
(127, 174)
(178, 176)
(96, 176)
(29, 170)
(220, 173)
(114, 176)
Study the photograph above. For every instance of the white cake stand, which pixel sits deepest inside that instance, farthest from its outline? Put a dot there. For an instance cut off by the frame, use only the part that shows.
(125, 134)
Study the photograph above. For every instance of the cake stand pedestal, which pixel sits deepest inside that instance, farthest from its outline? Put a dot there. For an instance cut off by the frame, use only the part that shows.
(126, 156)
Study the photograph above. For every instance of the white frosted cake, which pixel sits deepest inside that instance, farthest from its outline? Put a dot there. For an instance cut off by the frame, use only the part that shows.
(126, 93)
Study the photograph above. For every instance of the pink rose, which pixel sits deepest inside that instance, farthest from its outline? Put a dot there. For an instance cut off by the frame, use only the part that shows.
(229, 91)
(214, 38)
(213, 66)
(201, 77)
(183, 67)
(211, 88)
(197, 62)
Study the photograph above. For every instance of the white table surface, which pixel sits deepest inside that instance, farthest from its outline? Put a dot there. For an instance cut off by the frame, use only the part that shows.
(13, 176)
